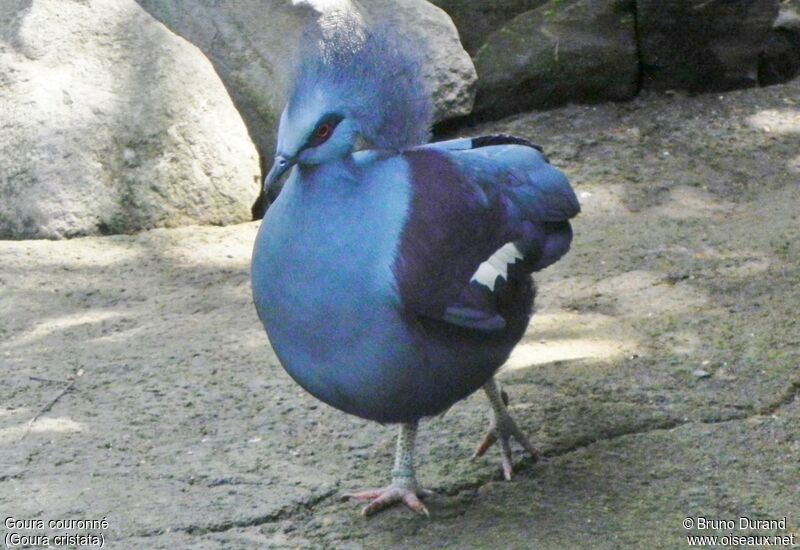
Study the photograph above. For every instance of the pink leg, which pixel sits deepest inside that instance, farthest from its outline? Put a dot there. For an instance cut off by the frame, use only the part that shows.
(404, 487)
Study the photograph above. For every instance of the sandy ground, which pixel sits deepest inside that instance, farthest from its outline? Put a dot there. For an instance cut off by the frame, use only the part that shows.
(660, 377)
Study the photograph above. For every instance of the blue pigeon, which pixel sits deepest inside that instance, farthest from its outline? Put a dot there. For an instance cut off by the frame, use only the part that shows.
(393, 276)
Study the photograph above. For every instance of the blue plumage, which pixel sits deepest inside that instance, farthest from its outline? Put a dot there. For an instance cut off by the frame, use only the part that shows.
(365, 74)
(467, 206)
(394, 281)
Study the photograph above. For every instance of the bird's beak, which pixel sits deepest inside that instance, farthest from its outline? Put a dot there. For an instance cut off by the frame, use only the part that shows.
(279, 168)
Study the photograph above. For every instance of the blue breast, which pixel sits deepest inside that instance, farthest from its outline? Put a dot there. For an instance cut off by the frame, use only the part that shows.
(361, 265)
(324, 289)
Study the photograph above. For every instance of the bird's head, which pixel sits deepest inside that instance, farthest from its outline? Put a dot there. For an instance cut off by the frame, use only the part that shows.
(353, 84)
(312, 131)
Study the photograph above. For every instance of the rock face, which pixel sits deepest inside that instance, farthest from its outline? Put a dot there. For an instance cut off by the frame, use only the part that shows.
(477, 19)
(252, 45)
(112, 124)
(702, 46)
(565, 50)
(780, 60)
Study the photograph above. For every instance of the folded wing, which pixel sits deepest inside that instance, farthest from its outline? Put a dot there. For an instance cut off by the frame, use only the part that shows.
(484, 212)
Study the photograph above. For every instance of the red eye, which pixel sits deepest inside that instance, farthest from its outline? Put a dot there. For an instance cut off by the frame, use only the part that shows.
(324, 130)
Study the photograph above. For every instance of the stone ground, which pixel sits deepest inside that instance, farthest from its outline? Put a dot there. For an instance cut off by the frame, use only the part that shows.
(660, 377)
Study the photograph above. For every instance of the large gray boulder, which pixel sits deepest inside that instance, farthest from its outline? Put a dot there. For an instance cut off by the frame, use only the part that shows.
(780, 60)
(565, 50)
(699, 45)
(477, 19)
(252, 44)
(110, 123)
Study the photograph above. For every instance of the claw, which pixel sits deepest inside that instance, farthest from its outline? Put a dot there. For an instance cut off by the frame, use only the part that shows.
(488, 441)
(404, 486)
(391, 495)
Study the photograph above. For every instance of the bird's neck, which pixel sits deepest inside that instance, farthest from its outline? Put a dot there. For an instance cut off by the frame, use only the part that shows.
(337, 171)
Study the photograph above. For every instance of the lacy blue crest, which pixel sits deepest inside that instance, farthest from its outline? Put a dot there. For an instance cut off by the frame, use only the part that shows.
(370, 74)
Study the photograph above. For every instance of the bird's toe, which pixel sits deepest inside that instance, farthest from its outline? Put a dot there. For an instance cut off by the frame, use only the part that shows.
(361, 496)
(488, 441)
(502, 429)
(380, 499)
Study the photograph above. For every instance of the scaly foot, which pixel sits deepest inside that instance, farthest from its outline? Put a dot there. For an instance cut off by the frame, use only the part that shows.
(502, 428)
(404, 487)
(405, 492)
